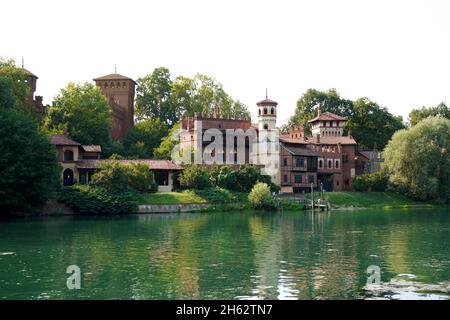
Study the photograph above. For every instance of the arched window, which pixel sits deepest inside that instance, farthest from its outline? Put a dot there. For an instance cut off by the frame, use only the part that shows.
(105, 85)
(330, 164)
(259, 111)
(272, 111)
(68, 177)
(320, 164)
(337, 164)
(112, 85)
(68, 155)
(265, 110)
(266, 126)
(124, 84)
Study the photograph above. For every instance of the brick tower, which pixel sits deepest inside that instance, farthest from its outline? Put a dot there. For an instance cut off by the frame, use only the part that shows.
(119, 90)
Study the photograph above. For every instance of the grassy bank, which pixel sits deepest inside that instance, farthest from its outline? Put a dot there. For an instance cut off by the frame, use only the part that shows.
(171, 198)
(372, 200)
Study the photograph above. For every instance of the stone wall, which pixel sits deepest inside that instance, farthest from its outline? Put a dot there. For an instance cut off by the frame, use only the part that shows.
(168, 208)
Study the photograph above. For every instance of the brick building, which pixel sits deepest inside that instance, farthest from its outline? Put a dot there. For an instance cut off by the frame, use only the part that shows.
(120, 91)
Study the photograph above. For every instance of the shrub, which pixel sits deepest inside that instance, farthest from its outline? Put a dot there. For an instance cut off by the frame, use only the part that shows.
(260, 197)
(117, 177)
(371, 182)
(217, 195)
(194, 177)
(88, 199)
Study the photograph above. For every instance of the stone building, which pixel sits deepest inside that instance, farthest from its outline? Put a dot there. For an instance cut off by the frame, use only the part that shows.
(120, 92)
(35, 102)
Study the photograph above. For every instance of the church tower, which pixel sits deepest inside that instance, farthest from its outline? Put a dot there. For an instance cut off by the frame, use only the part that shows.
(267, 114)
(120, 91)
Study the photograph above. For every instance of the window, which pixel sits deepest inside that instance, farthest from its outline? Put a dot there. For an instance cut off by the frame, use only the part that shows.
(320, 164)
(272, 111)
(337, 164)
(285, 178)
(266, 126)
(299, 162)
(344, 158)
(298, 178)
(259, 111)
(310, 178)
(330, 164)
(285, 162)
(265, 110)
(68, 155)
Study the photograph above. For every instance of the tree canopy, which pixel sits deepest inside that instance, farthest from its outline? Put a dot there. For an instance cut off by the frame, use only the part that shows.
(417, 159)
(144, 137)
(160, 96)
(29, 170)
(82, 111)
(18, 78)
(417, 115)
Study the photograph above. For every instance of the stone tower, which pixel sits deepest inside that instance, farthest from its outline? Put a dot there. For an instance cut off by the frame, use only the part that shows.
(119, 90)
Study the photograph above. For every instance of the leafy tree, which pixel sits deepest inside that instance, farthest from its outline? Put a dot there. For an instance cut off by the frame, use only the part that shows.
(371, 182)
(18, 78)
(260, 197)
(327, 100)
(117, 177)
(194, 177)
(417, 115)
(164, 150)
(7, 98)
(83, 111)
(417, 159)
(144, 137)
(371, 124)
(29, 170)
(153, 96)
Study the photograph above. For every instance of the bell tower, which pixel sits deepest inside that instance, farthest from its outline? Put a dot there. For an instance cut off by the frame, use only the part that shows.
(267, 114)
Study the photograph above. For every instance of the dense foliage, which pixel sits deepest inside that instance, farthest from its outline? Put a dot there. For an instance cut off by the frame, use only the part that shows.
(117, 177)
(417, 115)
(144, 137)
(17, 84)
(29, 170)
(89, 199)
(194, 177)
(418, 162)
(371, 182)
(82, 111)
(260, 197)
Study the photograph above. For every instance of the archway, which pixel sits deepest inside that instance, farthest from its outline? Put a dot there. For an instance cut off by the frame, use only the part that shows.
(68, 177)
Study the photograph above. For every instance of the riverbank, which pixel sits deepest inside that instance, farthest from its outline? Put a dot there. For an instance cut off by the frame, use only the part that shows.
(363, 200)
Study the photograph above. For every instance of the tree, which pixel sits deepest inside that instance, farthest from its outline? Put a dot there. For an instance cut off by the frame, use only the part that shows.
(371, 124)
(164, 150)
(194, 177)
(417, 115)
(7, 98)
(153, 96)
(327, 100)
(29, 170)
(144, 137)
(83, 111)
(260, 196)
(18, 78)
(417, 159)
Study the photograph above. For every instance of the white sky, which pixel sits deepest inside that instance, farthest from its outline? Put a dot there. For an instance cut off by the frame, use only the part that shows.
(393, 51)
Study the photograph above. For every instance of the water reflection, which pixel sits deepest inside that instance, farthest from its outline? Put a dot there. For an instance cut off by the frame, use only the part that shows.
(228, 255)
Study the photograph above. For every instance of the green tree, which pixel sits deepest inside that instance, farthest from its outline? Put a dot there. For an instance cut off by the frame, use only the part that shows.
(417, 115)
(153, 96)
(18, 78)
(144, 137)
(194, 177)
(164, 150)
(329, 101)
(7, 98)
(417, 159)
(83, 111)
(371, 124)
(29, 170)
(260, 197)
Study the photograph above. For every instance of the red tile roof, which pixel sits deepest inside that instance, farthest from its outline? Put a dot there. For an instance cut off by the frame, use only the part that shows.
(333, 140)
(328, 116)
(61, 140)
(294, 140)
(113, 76)
(153, 164)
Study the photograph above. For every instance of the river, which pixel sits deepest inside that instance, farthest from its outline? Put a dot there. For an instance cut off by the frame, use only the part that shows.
(230, 255)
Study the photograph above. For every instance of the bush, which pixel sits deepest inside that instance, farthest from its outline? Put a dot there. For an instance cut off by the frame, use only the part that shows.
(260, 197)
(194, 177)
(371, 182)
(117, 177)
(217, 195)
(88, 199)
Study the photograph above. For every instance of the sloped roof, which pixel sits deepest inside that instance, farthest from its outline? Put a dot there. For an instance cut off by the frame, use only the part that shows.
(113, 76)
(267, 102)
(92, 148)
(294, 140)
(28, 72)
(153, 164)
(62, 140)
(333, 140)
(299, 151)
(327, 116)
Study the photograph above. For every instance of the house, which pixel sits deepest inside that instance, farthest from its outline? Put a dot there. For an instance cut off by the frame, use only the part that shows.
(79, 162)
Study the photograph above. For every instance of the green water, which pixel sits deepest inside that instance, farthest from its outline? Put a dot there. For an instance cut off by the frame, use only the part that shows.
(235, 255)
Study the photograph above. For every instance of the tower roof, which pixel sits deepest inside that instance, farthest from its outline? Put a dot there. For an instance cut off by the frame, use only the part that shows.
(113, 76)
(267, 102)
(327, 116)
(29, 73)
